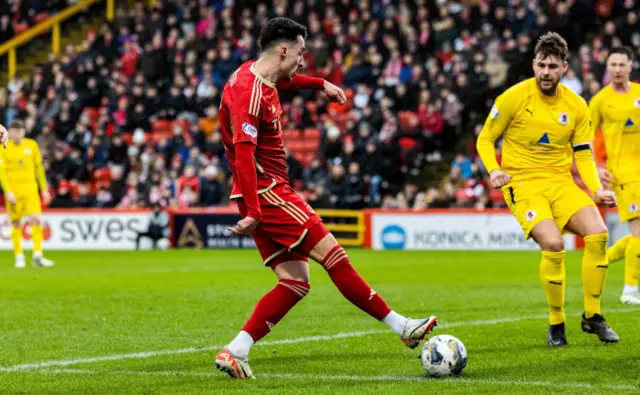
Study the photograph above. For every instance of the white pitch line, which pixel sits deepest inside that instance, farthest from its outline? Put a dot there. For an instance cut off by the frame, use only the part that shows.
(326, 377)
(307, 339)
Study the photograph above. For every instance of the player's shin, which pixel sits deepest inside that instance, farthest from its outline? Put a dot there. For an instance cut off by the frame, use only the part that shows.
(594, 271)
(268, 312)
(632, 266)
(16, 239)
(552, 276)
(352, 285)
(618, 250)
(37, 237)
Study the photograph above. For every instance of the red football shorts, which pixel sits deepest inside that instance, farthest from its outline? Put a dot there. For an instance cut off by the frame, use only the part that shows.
(287, 221)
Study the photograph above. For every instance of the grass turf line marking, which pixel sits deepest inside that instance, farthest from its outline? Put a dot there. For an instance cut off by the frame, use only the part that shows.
(327, 377)
(342, 335)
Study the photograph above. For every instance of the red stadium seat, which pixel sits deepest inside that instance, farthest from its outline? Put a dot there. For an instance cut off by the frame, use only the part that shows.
(102, 175)
(312, 133)
(161, 124)
(496, 196)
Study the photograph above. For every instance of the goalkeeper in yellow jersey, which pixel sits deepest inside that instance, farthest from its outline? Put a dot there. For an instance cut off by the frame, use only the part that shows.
(544, 126)
(21, 173)
(616, 110)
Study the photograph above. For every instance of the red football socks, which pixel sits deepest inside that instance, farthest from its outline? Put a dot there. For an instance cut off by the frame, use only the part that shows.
(352, 286)
(273, 306)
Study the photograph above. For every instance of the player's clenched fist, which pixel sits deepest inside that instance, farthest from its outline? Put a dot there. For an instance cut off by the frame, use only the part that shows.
(605, 177)
(334, 93)
(244, 227)
(4, 136)
(499, 178)
(605, 197)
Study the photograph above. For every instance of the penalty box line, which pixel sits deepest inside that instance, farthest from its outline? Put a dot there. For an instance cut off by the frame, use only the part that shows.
(327, 377)
(307, 339)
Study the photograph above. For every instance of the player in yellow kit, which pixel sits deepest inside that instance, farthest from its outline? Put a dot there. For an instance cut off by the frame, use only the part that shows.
(616, 110)
(21, 173)
(544, 126)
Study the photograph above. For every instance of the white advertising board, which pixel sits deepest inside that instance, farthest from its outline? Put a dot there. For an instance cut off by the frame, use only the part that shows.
(450, 231)
(82, 230)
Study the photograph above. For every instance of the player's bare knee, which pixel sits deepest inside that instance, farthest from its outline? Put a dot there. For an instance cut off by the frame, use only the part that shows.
(35, 220)
(323, 248)
(292, 270)
(15, 224)
(553, 245)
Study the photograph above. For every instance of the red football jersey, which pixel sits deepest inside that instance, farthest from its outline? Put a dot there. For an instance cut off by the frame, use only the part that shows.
(250, 112)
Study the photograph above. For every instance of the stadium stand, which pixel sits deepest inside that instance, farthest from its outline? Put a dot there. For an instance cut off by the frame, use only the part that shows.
(129, 117)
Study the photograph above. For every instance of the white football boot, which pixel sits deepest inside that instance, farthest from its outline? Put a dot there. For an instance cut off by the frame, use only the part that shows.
(632, 298)
(20, 262)
(235, 367)
(416, 330)
(40, 261)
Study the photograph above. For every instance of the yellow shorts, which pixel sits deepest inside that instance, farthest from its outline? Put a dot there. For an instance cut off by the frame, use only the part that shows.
(25, 205)
(537, 200)
(628, 196)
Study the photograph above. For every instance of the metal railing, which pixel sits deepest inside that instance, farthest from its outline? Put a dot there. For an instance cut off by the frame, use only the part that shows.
(53, 23)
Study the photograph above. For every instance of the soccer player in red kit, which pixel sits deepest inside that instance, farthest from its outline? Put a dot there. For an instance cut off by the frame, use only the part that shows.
(285, 228)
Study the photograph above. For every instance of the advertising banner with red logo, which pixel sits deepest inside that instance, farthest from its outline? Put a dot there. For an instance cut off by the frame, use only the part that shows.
(83, 230)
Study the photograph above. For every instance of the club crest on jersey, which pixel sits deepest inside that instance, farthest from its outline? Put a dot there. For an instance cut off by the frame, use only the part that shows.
(563, 118)
(495, 114)
(531, 215)
(27, 151)
(249, 129)
(637, 102)
(633, 208)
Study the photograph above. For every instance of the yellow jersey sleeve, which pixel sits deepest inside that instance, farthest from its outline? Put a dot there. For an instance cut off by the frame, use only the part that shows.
(594, 112)
(497, 122)
(583, 133)
(4, 179)
(41, 177)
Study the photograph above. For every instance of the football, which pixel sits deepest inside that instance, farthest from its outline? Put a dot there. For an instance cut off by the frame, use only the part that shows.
(443, 355)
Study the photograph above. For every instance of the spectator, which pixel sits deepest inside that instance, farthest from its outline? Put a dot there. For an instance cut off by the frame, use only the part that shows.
(158, 227)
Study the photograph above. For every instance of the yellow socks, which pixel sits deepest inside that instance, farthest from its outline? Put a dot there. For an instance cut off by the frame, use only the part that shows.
(618, 250)
(594, 271)
(632, 263)
(16, 239)
(36, 236)
(552, 277)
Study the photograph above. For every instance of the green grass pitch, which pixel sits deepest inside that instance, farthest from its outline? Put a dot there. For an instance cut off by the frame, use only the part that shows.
(152, 322)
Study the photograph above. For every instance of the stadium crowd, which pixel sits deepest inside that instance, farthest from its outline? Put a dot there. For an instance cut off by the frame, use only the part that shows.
(129, 117)
(16, 16)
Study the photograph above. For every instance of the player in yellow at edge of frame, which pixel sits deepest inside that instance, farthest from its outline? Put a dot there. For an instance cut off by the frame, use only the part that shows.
(616, 111)
(21, 173)
(544, 125)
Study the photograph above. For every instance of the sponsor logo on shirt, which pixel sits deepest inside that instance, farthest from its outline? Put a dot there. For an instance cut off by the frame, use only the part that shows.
(249, 129)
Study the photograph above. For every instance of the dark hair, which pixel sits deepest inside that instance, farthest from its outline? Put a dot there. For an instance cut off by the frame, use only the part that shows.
(621, 51)
(17, 124)
(552, 44)
(281, 29)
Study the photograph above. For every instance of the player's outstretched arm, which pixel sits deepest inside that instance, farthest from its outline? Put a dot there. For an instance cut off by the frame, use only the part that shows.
(333, 92)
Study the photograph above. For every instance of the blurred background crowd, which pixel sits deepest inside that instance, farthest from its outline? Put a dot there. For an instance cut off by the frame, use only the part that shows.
(129, 117)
